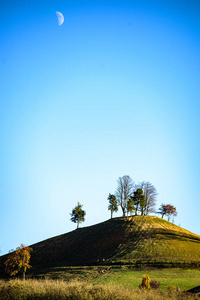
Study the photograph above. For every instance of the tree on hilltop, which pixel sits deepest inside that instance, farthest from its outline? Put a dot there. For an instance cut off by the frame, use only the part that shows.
(130, 206)
(18, 261)
(150, 194)
(113, 207)
(78, 214)
(139, 201)
(168, 210)
(125, 187)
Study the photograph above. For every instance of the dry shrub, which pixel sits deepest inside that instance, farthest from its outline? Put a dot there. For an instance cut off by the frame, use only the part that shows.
(154, 284)
(145, 282)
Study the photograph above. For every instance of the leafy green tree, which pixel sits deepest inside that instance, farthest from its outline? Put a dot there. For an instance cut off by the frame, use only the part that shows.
(130, 206)
(18, 261)
(139, 201)
(142, 204)
(78, 214)
(113, 207)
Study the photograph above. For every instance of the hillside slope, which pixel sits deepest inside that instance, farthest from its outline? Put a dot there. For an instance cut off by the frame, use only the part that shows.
(130, 240)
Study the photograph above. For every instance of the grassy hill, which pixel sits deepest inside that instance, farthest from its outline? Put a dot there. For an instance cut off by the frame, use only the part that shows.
(134, 240)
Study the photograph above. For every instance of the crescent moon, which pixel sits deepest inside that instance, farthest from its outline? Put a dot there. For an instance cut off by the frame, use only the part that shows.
(60, 18)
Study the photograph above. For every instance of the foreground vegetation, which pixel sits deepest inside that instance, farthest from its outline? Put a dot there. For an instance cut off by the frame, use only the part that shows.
(123, 276)
(108, 261)
(58, 289)
(183, 279)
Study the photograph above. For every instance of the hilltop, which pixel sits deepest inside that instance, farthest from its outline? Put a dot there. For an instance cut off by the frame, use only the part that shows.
(134, 240)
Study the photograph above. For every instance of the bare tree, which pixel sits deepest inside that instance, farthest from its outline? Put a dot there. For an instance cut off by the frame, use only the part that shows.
(150, 194)
(125, 187)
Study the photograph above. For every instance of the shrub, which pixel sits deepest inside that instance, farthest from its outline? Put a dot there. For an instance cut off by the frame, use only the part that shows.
(154, 284)
(145, 282)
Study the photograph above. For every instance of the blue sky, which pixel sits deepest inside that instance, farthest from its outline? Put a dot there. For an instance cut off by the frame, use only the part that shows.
(113, 91)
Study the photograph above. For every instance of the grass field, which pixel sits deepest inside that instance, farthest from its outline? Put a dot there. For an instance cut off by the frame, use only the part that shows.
(184, 279)
(124, 276)
(74, 290)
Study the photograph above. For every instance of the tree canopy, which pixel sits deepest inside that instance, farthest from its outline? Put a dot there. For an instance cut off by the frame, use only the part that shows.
(150, 194)
(168, 210)
(125, 187)
(18, 261)
(130, 206)
(139, 201)
(78, 214)
(113, 207)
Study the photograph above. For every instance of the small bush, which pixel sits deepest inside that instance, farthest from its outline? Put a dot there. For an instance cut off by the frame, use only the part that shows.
(154, 284)
(145, 282)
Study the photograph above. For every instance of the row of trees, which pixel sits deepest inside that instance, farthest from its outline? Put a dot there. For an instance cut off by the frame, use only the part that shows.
(140, 198)
(132, 198)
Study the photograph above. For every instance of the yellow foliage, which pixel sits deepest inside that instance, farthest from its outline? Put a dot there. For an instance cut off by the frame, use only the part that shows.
(145, 282)
(18, 260)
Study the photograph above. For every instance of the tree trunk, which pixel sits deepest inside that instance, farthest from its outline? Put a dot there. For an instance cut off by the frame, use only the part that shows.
(147, 211)
(136, 210)
(24, 268)
(124, 214)
(111, 214)
(77, 224)
(142, 212)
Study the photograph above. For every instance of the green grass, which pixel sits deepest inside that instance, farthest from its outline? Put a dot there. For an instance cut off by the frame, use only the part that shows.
(100, 282)
(184, 279)
(124, 276)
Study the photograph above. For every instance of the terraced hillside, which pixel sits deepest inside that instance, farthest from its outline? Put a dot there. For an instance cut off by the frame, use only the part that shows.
(132, 240)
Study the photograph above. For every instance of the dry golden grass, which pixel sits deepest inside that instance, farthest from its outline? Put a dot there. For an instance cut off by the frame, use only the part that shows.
(49, 289)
